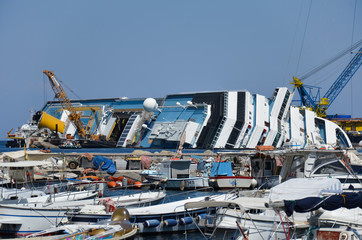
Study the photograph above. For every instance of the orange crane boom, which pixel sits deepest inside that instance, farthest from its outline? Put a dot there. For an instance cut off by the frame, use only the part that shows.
(60, 94)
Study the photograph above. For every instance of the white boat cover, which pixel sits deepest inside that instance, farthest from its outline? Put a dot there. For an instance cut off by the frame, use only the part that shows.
(343, 216)
(298, 188)
(290, 190)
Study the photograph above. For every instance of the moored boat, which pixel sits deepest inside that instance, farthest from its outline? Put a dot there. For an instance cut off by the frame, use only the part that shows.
(166, 217)
(222, 177)
(68, 144)
(117, 228)
(175, 174)
(257, 221)
(23, 218)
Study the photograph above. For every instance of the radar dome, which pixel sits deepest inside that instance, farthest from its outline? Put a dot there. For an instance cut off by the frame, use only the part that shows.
(150, 105)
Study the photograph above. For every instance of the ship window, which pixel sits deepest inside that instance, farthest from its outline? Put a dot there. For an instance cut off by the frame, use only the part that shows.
(334, 167)
(268, 165)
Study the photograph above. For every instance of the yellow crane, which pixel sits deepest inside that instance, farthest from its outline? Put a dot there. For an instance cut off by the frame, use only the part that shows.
(60, 94)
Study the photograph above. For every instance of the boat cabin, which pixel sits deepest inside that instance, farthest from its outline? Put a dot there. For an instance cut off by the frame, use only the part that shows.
(175, 168)
(20, 172)
(321, 163)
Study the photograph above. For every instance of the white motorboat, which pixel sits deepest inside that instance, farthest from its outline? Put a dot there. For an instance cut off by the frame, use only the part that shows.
(166, 217)
(118, 227)
(175, 174)
(222, 177)
(23, 218)
(259, 222)
(317, 163)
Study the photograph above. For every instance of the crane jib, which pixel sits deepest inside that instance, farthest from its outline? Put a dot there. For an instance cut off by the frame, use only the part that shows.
(56, 81)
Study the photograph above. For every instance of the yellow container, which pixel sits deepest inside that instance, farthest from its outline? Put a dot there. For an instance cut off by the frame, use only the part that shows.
(48, 121)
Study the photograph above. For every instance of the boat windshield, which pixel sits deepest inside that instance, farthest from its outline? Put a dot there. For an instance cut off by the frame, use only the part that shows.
(333, 167)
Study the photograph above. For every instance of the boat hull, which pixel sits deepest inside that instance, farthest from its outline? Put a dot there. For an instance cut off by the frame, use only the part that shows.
(230, 182)
(167, 217)
(179, 183)
(25, 218)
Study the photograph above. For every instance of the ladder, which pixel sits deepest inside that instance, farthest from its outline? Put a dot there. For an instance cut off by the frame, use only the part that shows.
(122, 139)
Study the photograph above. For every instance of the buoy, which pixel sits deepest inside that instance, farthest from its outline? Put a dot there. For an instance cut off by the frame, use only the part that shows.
(182, 186)
(151, 223)
(112, 184)
(138, 184)
(253, 183)
(170, 222)
(185, 220)
(111, 208)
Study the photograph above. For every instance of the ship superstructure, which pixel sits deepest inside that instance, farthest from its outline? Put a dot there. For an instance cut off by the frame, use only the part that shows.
(205, 120)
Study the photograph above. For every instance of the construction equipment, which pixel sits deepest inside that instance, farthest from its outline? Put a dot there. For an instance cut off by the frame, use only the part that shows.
(60, 94)
(320, 105)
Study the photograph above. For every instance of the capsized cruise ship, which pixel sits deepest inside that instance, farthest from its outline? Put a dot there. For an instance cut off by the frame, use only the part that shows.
(204, 120)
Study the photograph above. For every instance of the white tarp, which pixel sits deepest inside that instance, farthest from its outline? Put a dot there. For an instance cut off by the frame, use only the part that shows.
(292, 189)
(343, 216)
(298, 188)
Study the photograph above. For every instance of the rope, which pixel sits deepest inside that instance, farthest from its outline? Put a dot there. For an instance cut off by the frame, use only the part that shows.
(281, 220)
(242, 231)
(288, 228)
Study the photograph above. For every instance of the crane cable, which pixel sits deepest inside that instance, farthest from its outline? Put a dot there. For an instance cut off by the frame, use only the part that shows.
(293, 42)
(338, 56)
(305, 31)
(333, 59)
(44, 89)
(353, 25)
(69, 88)
(45, 84)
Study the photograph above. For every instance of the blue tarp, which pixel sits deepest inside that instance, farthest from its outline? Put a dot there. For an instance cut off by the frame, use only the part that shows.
(346, 199)
(201, 166)
(221, 169)
(105, 164)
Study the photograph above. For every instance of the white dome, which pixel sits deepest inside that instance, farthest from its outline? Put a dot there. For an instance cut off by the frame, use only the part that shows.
(150, 105)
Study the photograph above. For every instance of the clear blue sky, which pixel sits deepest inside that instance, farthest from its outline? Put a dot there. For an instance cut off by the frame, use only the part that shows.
(108, 49)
